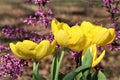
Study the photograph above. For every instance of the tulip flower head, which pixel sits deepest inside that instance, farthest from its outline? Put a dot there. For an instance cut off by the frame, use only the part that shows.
(95, 58)
(80, 37)
(70, 37)
(31, 50)
(97, 34)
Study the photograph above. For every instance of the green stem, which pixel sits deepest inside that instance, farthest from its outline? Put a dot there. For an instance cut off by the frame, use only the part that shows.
(36, 75)
(35, 70)
(58, 67)
(53, 66)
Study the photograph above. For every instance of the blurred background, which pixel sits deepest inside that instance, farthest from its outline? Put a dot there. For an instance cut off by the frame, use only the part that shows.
(72, 12)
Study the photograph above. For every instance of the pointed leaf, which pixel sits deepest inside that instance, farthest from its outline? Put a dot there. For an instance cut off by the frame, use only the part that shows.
(86, 64)
(78, 76)
(101, 76)
(87, 60)
(72, 75)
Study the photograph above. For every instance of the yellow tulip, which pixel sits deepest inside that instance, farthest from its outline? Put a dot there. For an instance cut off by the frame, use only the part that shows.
(70, 37)
(98, 34)
(30, 50)
(95, 58)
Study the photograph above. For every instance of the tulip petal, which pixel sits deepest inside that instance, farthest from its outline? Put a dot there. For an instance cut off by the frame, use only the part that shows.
(62, 38)
(75, 47)
(17, 53)
(88, 28)
(93, 50)
(76, 35)
(99, 38)
(54, 26)
(111, 35)
(26, 47)
(52, 47)
(42, 49)
(97, 61)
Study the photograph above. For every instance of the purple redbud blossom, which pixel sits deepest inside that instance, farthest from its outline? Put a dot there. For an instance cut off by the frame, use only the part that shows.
(112, 5)
(114, 10)
(77, 57)
(11, 66)
(30, 20)
(41, 2)
(15, 33)
(41, 16)
(44, 17)
(3, 48)
(23, 33)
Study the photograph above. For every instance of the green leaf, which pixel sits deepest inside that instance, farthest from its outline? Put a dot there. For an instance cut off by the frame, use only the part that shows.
(86, 64)
(78, 76)
(85, 75)
(54, 66)
(87, 60)
(101, 76)
(93, 76)
(72, 75)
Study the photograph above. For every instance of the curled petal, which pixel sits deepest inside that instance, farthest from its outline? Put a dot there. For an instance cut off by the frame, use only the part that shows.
(111, 35)
(97, 61)
(93, 50)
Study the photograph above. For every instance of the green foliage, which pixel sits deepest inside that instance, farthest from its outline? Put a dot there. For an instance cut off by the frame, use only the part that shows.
(81, 70)
(36, 75)
(54, 66)
(81, 73)
(56, 63)
(101, 76)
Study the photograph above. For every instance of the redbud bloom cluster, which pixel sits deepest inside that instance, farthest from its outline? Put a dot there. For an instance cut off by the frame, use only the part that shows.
(23, 33)
(41, 16)
(3, 48)
(43, 2)
(116, 44)
(11, 66)
(30, 20)
(11, 32)
(111, 5)
(114, 10)
(40, 2)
